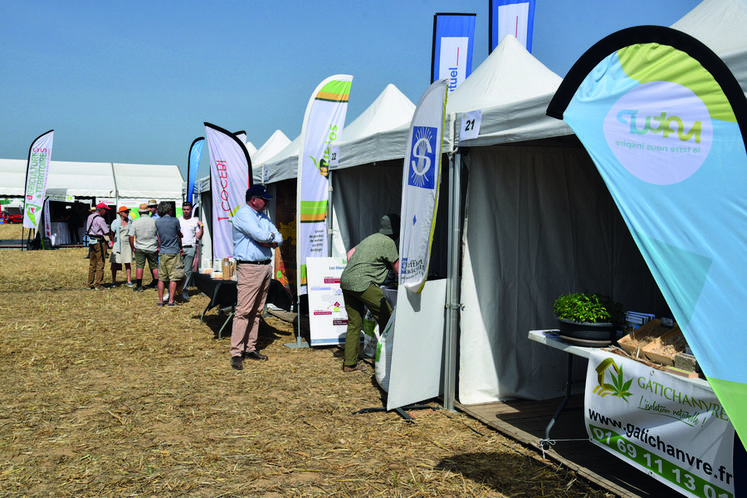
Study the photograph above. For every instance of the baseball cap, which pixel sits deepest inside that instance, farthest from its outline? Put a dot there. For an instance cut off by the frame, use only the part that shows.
(258, 191)
(101, 205)
(389, 224)
(123, 209)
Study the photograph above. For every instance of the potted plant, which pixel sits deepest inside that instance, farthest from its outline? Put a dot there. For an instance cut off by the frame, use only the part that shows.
(587, 319)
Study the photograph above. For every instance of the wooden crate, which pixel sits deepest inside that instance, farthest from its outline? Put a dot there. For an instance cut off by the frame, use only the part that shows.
(635, 342)
(664, 348)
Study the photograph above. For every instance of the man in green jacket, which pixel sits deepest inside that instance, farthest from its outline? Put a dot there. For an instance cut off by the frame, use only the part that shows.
(368, 266)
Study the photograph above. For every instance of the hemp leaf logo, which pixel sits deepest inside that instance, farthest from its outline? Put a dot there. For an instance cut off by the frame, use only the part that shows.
(619, 386)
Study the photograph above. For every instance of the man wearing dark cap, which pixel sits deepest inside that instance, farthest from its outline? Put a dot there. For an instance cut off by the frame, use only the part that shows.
(368, 266)
(254, 238)
(98, 232)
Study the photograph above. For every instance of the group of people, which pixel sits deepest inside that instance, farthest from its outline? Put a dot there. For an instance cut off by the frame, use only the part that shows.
(167, 244)
(159, 239)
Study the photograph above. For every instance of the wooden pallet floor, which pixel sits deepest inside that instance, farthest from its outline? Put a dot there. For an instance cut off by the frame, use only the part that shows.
(525, 421)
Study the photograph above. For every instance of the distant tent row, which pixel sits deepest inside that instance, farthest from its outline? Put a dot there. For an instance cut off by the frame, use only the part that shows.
(113, 183)
(537, 219)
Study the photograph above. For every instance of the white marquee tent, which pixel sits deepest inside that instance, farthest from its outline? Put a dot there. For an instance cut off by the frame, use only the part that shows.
(539, 221)
(113, 183)
(277, 142)
(367, 177)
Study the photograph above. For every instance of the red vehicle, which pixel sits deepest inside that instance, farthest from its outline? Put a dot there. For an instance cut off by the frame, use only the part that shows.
(11, 218)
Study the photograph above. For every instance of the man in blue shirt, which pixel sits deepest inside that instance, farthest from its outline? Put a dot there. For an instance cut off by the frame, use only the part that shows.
(254, 238)
(169, 251)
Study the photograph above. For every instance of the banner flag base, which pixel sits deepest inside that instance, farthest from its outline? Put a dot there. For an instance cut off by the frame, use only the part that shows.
(401, 411)
(300, 343)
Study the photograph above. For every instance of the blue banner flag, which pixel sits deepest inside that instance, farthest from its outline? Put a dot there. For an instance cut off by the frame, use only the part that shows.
(665, 120)
(453, 39)
(193, 164)
(511, 17)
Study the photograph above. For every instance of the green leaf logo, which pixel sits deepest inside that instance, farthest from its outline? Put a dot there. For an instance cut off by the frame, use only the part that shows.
(618, 386)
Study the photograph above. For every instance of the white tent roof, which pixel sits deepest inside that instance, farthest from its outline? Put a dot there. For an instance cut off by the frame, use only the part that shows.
(284, 164)
(80, 179)
(100, 180)
(277, 142)
(151, 181)
(12, 177)
(379, 133)
(512, 88)
(250, 148)
(720, 24)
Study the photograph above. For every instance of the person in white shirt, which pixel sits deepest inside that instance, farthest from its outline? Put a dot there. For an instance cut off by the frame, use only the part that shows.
(192, 231)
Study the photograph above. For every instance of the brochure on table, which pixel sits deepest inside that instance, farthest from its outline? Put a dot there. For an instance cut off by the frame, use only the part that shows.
(328, 320)
(670, 427)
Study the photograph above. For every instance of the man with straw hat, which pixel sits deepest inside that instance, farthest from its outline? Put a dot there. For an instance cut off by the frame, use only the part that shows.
(144, 244)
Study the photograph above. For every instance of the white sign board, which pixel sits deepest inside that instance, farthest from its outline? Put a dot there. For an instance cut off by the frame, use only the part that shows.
(328, 320)
(669, 427)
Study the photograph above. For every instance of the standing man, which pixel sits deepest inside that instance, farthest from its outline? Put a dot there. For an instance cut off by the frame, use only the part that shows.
(144, 244)
(153, 209)
(169, 250)
(368, 266)
(191, 234)
(97, 231)
(254, 238)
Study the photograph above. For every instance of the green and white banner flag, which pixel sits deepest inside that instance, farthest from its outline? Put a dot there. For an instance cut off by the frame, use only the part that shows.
(420, 182)
(322, 127)
(37, 171)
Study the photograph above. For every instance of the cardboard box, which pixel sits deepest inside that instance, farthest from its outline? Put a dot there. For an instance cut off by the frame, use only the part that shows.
(664, 348)
(635, 342)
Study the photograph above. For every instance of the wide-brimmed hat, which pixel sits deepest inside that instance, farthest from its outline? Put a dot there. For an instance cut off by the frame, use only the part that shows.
(152, 203)
(143, 208)
(123, 209)
(258, 191)
(101, 205)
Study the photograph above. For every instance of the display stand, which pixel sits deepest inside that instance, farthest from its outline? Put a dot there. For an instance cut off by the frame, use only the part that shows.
(550, 338)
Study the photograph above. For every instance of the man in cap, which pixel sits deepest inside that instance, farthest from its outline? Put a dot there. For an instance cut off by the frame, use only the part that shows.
(368, 266)
(254, 238)
(98, 238)
(144, 244)
(153, 209)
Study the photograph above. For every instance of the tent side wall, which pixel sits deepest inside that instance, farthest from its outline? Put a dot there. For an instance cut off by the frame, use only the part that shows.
(540, 223)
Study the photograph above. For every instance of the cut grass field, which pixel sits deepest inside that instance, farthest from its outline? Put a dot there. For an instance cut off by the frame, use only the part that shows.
(106, 394)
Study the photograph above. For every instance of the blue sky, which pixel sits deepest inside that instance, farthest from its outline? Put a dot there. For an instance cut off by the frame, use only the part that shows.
(134, 81)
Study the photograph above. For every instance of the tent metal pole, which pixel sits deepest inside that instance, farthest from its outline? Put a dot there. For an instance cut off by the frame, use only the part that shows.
(330, 224)
(452, 288)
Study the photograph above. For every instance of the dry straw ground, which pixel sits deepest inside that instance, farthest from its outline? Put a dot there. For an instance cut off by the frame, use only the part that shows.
(105, 394)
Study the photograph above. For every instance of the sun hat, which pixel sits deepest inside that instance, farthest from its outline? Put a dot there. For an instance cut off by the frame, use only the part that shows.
(123, 209)
(153, 203)
(143, 208)
(101, 205)
(258, 190)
